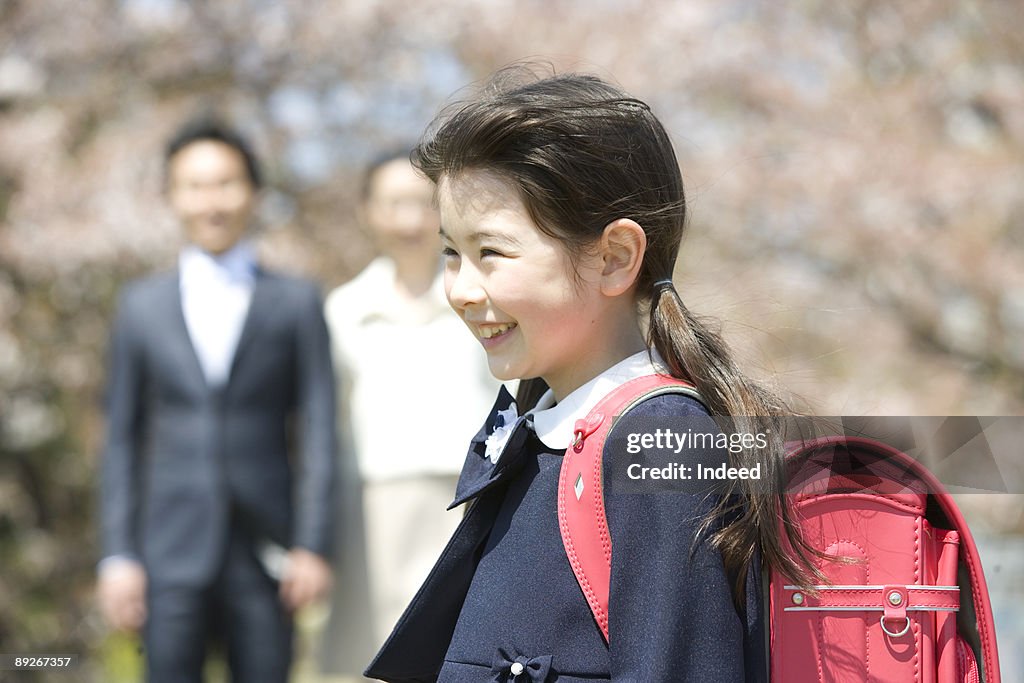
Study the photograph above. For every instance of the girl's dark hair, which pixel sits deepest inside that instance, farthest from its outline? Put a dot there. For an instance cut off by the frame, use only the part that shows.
(582, 153)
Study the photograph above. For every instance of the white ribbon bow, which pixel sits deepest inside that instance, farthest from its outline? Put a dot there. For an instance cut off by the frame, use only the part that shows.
(495, 443)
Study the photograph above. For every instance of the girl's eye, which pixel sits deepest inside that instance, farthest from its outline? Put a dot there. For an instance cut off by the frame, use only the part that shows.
(489, 252)
(448, 251)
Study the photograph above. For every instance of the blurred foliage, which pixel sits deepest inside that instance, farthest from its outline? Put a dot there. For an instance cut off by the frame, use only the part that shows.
(854, 171)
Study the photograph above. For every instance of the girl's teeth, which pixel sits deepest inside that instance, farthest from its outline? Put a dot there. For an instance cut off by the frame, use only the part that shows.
(489, 332)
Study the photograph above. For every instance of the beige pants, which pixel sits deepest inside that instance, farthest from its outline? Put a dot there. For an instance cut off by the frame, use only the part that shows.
(386, 547)
(407, 527)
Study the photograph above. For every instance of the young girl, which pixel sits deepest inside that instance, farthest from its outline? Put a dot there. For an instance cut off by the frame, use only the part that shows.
(562, 211)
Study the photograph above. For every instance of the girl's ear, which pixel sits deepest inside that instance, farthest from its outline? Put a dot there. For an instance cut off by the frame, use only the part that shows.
(622, 249)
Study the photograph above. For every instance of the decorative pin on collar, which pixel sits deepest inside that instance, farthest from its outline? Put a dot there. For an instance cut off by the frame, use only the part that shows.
(504, 424)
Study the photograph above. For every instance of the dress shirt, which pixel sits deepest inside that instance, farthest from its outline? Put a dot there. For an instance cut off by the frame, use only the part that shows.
(215, 296)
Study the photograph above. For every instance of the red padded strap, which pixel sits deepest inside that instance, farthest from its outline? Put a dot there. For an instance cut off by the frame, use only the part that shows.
(581, 515)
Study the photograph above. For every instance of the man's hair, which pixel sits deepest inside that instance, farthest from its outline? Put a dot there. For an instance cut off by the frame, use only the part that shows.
(211, 129)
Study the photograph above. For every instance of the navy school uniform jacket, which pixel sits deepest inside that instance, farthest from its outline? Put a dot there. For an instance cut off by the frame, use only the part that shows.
(503, 591)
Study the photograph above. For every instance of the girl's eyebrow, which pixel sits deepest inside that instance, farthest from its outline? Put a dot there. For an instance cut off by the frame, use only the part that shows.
(478, 236)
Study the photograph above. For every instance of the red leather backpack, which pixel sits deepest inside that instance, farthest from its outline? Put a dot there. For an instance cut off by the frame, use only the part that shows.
(909, 603)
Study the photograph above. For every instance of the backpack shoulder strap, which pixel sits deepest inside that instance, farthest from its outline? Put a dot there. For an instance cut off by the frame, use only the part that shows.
(581, 514)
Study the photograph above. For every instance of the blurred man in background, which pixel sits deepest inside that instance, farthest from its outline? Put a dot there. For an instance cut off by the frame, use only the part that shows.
(209, 528)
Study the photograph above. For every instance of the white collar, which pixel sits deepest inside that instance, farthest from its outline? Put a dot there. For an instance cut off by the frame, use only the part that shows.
(237, 264)
(554, 423)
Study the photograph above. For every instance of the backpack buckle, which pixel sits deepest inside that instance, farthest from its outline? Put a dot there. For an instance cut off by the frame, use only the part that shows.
(906, 627)
(584, 428)
(894, 606)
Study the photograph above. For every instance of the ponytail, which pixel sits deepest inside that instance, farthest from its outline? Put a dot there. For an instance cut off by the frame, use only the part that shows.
(748, 515)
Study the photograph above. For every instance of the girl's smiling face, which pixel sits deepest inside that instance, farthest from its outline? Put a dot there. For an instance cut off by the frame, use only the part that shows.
(515, 287)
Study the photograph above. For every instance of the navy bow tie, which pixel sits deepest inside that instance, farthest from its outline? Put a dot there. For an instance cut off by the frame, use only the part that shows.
(478, 472)
(520, 668)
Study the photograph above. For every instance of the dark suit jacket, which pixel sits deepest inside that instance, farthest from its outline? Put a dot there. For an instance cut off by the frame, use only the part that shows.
(184, 461)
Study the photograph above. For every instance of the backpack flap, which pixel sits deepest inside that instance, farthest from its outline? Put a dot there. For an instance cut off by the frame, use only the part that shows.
(888, 610)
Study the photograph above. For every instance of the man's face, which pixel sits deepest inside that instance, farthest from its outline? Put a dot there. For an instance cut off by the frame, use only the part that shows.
(211, 192)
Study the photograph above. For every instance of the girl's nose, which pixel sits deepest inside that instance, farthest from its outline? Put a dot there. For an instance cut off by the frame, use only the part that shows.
(463, 286)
